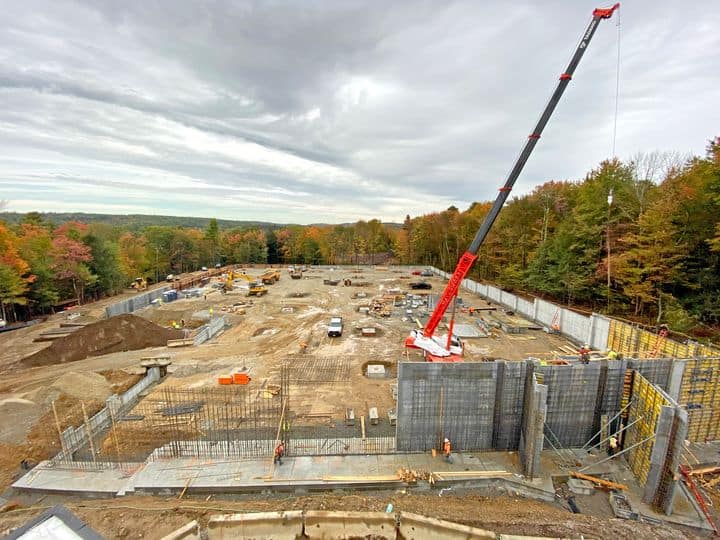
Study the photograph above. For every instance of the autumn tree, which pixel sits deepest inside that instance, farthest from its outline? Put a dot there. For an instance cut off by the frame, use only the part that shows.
(70, 257)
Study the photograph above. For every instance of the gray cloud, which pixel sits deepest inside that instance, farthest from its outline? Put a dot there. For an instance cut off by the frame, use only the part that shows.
(331, 111)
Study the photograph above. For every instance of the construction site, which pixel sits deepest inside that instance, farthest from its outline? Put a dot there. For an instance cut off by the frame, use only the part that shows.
(362, 401)
(115, 401)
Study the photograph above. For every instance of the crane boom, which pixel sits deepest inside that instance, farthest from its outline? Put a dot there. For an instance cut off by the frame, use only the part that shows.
(468, 258)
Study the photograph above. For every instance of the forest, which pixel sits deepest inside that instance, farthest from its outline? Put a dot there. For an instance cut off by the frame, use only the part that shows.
(638, 239)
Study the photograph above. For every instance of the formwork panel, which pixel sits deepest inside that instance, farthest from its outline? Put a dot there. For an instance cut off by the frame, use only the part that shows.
(656, 371)
(575, 325)
(699, 394)
(571, 401)
(526, 308)
(645, 409)
(547, 313)
(445, 400)
(632, 340)
(509, 405)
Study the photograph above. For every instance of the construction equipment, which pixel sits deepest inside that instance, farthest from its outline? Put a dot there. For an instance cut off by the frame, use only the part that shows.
(270, 276)
(439, 348)
(256, 288)
(140, 284)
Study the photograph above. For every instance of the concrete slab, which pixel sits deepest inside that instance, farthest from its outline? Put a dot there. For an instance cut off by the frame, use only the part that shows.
(47, 477)
(376, 371)
(580, 487)
(468, 331)
(297, 474)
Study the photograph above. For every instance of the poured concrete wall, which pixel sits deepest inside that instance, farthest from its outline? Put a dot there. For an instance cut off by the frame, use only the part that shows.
(136, 302)
(593, 329)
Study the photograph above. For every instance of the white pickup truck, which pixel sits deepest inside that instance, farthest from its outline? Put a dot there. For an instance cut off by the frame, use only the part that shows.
(335, 327)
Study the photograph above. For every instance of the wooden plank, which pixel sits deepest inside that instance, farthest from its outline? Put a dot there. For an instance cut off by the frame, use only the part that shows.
(462, 474)
(598, 481)
(705, 470)
(379, 478)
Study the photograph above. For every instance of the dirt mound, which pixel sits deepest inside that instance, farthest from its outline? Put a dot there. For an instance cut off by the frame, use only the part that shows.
(121, 333)
(18, 416)
(87, 386)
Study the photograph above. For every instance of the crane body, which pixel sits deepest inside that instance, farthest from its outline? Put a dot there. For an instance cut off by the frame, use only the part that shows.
(449, 348)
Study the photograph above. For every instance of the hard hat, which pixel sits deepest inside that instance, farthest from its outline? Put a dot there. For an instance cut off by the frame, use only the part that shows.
(447, 440)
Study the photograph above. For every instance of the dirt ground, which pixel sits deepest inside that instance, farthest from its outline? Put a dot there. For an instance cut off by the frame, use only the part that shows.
(274, 328)
(154, 517)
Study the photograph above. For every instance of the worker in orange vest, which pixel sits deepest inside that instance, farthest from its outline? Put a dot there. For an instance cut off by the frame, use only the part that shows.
(447, 447)
(279, 453)
(584, 354)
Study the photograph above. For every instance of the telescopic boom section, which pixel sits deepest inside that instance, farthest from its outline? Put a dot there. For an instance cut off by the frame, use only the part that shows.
(468, 258)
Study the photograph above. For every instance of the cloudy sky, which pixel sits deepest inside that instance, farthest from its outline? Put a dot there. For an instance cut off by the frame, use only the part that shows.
(333, 111)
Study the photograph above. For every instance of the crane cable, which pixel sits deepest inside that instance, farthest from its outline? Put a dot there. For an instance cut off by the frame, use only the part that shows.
(617, 86)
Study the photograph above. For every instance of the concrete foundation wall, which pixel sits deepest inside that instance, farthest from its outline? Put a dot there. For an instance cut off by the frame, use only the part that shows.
(593, 329)
(438, 400)
(481, 406)
(509, 398)
(209, 330)
(572, 397)
(136, 302)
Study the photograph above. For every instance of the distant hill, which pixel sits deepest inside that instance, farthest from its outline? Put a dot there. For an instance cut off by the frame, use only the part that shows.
(135, 222)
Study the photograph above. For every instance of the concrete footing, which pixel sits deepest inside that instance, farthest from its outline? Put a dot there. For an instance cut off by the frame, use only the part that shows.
(416, 527)
(321, 525)
(263, 525)
(335, 525)
(191, 531)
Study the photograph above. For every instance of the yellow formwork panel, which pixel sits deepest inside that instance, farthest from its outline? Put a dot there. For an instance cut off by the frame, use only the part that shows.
(631, 340)
(647, 402)
(703, 425)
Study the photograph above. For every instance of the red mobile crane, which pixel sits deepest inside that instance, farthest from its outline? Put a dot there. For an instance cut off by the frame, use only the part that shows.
(449, 349)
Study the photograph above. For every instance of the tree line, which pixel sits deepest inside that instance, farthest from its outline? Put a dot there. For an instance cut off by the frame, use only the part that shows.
(651, 252)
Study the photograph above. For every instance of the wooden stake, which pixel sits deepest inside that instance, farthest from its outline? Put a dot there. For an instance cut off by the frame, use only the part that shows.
(182, 493)
(57, 425)
(89, 431)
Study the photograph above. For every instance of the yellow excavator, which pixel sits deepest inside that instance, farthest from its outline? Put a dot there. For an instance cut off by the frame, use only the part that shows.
(140, 284)
(255, 287)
